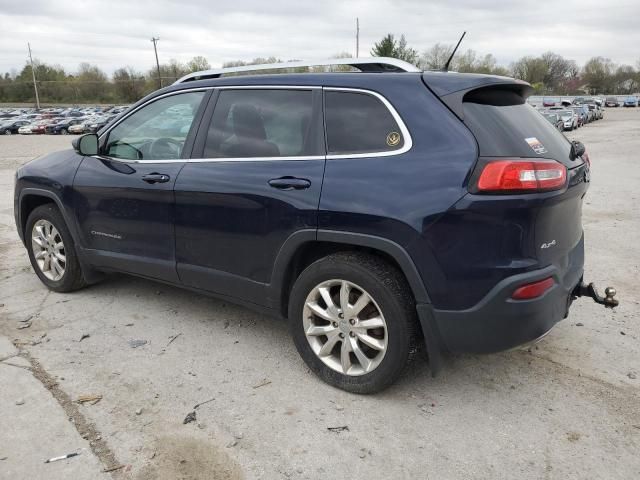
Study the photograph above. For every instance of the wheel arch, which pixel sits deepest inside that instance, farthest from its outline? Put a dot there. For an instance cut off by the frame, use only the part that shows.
(29, 200)
(306, 246)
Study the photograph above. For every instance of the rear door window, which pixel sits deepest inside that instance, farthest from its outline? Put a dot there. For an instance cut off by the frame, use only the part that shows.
(359, 123)
(250, 123)
(504, 126)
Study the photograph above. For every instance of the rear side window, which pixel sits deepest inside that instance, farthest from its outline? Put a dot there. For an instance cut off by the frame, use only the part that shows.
(359, 123)
(251, 123)
(505, 126)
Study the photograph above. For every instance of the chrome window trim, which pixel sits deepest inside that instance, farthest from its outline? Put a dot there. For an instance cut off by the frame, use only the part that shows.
(268, 87)
(408, 142)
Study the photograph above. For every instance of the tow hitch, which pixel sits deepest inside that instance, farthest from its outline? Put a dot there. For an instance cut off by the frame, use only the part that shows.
(583, 290)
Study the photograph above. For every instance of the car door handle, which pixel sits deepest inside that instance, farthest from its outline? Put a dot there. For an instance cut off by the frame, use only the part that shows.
(289, 183)
(156, 178)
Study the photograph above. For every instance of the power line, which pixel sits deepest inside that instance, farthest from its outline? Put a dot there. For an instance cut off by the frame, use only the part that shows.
(155, 49)
(33, 73)
(357, 37)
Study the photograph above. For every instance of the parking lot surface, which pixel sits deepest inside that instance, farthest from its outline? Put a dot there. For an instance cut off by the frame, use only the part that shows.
(566, 408)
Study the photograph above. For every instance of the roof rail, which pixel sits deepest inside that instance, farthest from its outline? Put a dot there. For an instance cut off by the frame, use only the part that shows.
(364, 64)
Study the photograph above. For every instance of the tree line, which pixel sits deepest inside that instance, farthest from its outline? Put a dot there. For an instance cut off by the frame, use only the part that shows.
(548, 73)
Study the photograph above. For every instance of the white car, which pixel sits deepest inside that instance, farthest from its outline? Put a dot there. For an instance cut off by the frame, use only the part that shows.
(78, 128)
(25, 130)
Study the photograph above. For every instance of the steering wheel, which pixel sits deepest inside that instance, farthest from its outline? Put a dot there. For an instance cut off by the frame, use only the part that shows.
(165, 148)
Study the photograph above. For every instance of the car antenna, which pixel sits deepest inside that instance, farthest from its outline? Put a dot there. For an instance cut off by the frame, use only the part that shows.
(446, 65)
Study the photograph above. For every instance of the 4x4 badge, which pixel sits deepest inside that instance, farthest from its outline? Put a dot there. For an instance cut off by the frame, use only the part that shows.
(393, 139)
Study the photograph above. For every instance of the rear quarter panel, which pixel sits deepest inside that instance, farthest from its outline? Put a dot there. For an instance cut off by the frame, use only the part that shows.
(399, 197)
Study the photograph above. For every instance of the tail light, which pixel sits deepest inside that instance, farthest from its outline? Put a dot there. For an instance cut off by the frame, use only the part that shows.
(521, 175)
(533, 290)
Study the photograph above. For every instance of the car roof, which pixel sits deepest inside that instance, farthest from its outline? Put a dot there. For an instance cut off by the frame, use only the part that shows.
(441, 83)
(343, 79)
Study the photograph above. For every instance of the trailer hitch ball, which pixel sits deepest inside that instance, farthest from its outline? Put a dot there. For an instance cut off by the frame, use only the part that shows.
(609, 293)
(583, 290)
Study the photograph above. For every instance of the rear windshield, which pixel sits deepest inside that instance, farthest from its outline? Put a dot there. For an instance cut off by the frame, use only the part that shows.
(515, 130)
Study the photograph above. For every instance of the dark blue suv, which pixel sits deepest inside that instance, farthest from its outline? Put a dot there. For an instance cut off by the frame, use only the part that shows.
(377, 211)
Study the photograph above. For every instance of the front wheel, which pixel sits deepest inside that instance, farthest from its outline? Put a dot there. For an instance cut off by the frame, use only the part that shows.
(64, 131)
(353, 320)
(8, 132)
(51, 250)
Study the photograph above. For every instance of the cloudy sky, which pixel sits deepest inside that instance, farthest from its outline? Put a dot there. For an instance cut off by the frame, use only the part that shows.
(115, 33)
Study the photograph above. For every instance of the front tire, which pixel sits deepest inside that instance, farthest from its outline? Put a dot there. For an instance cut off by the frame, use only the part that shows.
(353, 320)
(52, 251)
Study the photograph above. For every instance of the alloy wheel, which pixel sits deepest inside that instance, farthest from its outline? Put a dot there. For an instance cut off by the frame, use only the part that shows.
(48, 250)
(345, 327)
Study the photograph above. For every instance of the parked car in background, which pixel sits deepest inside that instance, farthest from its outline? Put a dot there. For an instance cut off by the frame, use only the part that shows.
(611, 102)
(25, 129)
(631, 101)
(39, 127)
(554, 119)
(10, 127)
(62, 126)
(98, 124)
(80, 127)
(569, 119)
(593, 109)
(550, 101)
(583, 117)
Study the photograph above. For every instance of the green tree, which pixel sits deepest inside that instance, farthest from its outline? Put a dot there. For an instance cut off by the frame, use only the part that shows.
(435, 57)
(385, 47)
(90, 84)
(597, 74)
(390, 47)
(129, 84)
(197, 64)
(530, 69)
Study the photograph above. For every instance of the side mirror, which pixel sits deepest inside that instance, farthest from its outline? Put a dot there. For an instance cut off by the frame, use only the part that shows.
(86, 145)
(577, 149)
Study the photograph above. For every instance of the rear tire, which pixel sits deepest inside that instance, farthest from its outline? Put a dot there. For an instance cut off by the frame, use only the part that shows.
(52, 251)
(385, 330)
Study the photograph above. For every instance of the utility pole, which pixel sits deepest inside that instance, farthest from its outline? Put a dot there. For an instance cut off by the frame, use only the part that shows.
(33, 73)
(357, 37)
(155, 49)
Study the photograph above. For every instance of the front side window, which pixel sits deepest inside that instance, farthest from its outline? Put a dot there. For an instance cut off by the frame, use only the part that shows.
(251, 123)
(157, 131)
(359, 123)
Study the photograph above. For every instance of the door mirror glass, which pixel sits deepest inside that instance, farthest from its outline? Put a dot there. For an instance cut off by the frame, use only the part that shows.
(86, 145)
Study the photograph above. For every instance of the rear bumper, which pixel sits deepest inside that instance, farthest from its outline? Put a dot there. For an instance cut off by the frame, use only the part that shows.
(498, 322)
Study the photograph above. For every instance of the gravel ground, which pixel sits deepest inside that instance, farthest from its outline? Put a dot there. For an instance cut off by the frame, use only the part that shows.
(566, 408)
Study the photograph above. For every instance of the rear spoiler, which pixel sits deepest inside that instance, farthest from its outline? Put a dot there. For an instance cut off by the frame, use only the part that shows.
(454, 88)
